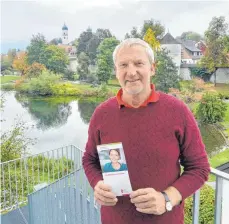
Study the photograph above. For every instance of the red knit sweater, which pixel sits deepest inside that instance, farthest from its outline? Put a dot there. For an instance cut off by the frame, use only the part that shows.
(156, 140)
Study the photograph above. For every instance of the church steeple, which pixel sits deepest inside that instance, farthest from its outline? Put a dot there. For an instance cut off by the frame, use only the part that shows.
(65, 34)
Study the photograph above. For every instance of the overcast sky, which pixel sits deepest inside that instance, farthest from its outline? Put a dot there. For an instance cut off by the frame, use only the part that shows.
(21, 19)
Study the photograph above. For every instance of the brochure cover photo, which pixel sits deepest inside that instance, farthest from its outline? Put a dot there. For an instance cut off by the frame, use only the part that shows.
(114, 168)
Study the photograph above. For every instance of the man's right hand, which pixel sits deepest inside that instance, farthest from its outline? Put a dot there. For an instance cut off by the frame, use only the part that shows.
(104, 195)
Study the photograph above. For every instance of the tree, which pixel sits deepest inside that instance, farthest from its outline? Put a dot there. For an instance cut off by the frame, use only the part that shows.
(20, 63)
(104, 58)
(215, 54)
(151, 39)
(103, 34)
(166, 76)
(54, 59)
(36, 48)
(56, 41)
(12, 53)
(83, 41)
(133, 33)
(155, 25)
(5, 63)
(226, 44)
(34, 70)
(190, 35)
(83, 66)
(88, 42)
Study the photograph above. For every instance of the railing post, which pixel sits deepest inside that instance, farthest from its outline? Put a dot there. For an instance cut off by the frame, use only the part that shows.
(196, 207)
(218, 200)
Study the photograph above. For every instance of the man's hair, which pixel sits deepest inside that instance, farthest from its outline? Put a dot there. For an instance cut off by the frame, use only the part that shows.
(135, 41)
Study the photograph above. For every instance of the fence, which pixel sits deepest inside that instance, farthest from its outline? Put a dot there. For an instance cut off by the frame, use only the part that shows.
(22, 176)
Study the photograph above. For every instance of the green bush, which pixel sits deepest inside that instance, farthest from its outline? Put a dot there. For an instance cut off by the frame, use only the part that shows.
(206, 207)
(7, 72)
(44, 83)
(64, 89)
(211, 109)
(224, 95)
(8, 86)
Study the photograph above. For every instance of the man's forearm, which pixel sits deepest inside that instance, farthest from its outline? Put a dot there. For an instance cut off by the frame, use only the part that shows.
(174, 195)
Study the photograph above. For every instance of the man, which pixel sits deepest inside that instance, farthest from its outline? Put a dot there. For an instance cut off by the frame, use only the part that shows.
(158, 133)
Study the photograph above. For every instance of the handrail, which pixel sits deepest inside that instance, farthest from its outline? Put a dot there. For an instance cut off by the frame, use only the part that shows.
(24, 175)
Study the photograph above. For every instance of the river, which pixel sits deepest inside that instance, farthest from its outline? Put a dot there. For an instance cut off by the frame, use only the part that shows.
(57, 122)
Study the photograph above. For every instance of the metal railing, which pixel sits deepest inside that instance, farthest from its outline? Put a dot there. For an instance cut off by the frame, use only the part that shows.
(22, 176)
(71, 200)
(68, 200)
(219, 207)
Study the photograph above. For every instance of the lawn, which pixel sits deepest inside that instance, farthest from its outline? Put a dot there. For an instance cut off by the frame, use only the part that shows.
(9, 78)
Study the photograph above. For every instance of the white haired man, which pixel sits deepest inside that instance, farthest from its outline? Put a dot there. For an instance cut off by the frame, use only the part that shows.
(158, 133)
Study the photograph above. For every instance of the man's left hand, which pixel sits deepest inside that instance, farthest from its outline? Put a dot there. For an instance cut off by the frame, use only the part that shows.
(148, 201)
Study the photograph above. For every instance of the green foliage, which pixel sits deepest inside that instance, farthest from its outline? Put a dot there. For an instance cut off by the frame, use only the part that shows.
(215, 55)
(7, 86)
(211, 109)
(36, 48)
(155, 25)
(7, 72)
(6, 63)
(201, 73)
(43, 84)
(206, 207)
(166, 76)
(64, 89)
(55, 41)
(104, 58)
(14, 143)
(190, 35)
(69, 75)
(88, 42)
(83, 66)
(54, 59)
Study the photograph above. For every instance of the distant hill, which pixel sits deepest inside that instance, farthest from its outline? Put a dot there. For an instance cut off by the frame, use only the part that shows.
(5, 46)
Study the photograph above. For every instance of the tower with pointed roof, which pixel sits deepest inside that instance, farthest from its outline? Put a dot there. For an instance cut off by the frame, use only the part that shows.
(65, 34)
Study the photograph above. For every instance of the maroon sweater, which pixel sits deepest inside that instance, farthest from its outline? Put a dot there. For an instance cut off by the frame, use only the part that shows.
(156, 140)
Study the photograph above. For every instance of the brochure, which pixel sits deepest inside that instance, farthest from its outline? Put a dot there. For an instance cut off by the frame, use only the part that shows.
(114, 168)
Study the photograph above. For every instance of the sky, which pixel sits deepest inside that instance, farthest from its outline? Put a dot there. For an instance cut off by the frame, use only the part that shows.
(22, 19)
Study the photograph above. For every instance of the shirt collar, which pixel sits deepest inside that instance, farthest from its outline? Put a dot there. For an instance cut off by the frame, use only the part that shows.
(154, 97)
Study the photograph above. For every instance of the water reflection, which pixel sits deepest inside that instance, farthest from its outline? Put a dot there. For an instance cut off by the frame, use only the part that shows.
(213, 139)
(86, 109)
(48, 112)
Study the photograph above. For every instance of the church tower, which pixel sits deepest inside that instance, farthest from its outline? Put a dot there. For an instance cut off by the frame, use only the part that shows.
(64, 34)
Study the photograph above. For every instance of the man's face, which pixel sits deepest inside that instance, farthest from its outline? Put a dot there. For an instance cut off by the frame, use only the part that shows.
(133, 69)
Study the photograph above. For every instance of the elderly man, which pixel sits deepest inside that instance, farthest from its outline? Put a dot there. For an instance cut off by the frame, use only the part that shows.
(158, 133)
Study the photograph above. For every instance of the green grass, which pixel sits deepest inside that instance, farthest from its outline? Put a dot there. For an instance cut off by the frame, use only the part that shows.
(222, 88)
(218, 160)
(113, 82)
(9, 78)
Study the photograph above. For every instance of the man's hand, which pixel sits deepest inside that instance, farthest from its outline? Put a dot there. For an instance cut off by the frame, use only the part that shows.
(104, 195)
(148, 201)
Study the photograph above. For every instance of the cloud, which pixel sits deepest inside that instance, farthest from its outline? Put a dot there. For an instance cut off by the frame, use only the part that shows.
(22, 19)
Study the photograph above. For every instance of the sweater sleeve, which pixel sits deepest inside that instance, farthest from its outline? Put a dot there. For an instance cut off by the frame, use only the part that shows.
(193, 156)
(90, 158)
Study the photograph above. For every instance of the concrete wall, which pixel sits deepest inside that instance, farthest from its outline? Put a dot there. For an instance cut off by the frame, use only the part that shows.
(222, 76)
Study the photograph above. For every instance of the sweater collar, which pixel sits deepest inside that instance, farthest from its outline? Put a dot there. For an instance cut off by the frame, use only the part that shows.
(154, 97)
